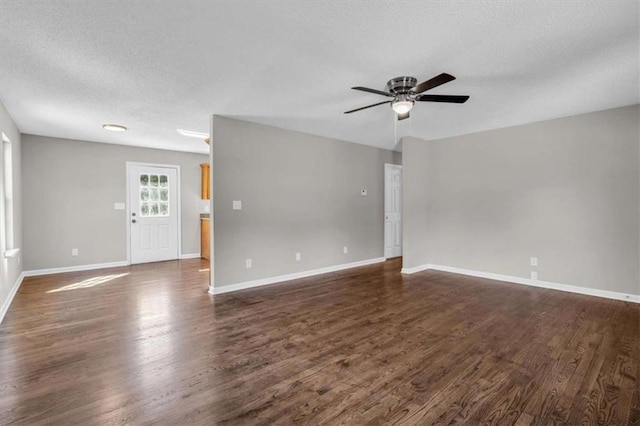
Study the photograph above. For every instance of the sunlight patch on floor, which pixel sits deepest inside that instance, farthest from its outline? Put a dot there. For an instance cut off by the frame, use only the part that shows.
(88, 283)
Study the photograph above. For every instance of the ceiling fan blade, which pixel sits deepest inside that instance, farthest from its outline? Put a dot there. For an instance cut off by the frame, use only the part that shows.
(377, 92)
(434, 82)
(368, 106)
(403, 116)
(442, 98)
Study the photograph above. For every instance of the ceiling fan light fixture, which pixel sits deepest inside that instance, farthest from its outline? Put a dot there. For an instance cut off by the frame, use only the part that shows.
(402, 106)
(405, 92)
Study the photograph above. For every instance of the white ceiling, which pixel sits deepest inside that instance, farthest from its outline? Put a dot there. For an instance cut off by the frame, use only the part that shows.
(67, 67)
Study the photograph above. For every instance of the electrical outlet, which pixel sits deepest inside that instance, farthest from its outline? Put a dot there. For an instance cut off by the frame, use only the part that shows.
(534, 275)
(534, 261)
(118, 206)
(298, 257)
(237, 205)
(345, 249)
(74, 252)
(248, 263)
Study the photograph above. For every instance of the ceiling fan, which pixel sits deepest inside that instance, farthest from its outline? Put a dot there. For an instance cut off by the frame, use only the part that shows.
(405, 92)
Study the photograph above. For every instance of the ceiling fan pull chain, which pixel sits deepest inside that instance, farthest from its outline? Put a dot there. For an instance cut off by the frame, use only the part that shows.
(395, 129)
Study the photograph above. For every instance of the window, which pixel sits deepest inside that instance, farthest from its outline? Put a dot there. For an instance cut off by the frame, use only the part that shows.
(8, 194)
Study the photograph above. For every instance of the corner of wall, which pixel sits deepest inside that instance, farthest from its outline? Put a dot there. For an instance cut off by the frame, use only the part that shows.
(212, 257)
(415, 240)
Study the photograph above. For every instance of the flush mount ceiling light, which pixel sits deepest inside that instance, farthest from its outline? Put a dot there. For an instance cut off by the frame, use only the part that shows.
(192, 134)
(114, 127)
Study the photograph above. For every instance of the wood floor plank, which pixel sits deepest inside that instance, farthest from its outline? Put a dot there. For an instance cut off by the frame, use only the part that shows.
(146, 344)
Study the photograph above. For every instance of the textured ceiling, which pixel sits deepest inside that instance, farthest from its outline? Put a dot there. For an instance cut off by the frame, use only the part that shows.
(67, 67)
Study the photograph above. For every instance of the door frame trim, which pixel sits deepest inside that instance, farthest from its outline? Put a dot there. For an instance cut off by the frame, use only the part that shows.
(388, 166)
(129, 165)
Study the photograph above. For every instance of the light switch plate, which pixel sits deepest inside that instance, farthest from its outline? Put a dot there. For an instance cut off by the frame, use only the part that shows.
(118, 206)
(237, 205)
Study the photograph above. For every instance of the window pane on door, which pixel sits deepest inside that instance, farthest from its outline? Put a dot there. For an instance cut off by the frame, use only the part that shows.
(154, 195)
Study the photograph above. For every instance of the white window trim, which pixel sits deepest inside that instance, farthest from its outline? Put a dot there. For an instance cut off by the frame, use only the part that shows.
(8, 240)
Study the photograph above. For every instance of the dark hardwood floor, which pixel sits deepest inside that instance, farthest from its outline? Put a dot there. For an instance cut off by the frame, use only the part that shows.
(146, 344)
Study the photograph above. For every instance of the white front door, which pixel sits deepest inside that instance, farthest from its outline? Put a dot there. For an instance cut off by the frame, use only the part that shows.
(392, 210)
(153, 212)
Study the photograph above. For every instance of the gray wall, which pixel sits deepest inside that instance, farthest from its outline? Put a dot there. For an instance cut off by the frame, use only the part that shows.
(299, 193)
(10, 269)
(70, 187)
(565, 190)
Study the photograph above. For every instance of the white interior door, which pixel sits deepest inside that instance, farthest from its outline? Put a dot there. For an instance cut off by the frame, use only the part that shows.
(154, 204)
(392, 210)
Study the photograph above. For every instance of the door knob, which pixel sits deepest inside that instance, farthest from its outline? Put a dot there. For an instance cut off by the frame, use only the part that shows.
(133, 221)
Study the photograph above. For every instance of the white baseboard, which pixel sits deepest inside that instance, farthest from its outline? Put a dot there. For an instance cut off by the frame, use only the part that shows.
(190, 256)
(9, 299)
(414, 269)
(294, 276)
(49, 271)
(526, 281)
